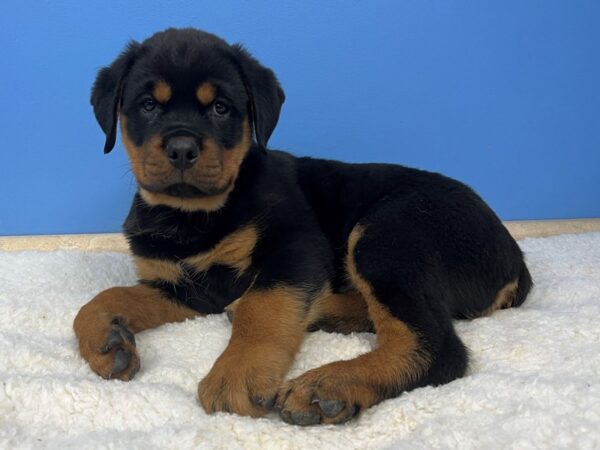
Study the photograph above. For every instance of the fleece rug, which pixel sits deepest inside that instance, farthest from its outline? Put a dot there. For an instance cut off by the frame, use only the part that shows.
(533, 382)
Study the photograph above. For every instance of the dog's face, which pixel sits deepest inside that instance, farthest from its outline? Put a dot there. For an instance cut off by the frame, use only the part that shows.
(189, 105)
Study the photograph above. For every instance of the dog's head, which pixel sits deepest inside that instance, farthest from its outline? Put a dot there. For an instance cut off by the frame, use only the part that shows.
(190, 105)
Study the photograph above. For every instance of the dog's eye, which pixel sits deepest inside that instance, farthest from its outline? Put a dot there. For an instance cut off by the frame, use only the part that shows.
(220, 108)
(149, 105)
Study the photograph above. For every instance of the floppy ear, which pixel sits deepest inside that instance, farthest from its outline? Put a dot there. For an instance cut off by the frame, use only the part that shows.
(265, 93)
(107, 91)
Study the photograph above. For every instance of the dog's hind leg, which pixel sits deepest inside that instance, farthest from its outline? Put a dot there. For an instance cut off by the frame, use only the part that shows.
(416, 343)
(341, 313)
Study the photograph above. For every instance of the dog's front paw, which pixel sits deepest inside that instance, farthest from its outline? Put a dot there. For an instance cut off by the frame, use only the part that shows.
(109, 348)
(240, 383)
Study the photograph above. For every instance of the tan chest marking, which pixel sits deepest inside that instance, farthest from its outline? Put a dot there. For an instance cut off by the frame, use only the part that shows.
(157, 269)
(235, 250)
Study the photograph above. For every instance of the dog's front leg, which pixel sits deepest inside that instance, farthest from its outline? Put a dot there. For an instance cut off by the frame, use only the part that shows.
(268, 328)
(106, 325)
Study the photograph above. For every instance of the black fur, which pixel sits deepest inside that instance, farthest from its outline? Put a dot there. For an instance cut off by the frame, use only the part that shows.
(432, 250)
(107, 91)
(266, 96)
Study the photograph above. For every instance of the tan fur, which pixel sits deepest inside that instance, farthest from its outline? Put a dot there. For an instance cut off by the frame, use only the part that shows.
(208, 204)
(341, 313)
(162, 91)
(394, 337)
(137, 308)
(268, 329)
(235, 250)
(233, 157)
(148, 162)
(361, 381)
(504, 298)
(157, 269)
(215, 168)
(206, 93)
(220, 167)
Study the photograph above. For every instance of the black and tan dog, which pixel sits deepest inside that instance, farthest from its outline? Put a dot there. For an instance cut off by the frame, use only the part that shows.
(285, 244)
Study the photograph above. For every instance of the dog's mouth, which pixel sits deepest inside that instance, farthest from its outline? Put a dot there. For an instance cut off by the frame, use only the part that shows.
(187, 190)
(184, 190)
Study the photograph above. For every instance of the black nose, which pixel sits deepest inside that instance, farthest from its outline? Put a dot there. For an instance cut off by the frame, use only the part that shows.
(182, 152)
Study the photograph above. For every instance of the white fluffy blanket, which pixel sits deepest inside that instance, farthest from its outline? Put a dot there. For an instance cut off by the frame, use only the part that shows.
(534, 379)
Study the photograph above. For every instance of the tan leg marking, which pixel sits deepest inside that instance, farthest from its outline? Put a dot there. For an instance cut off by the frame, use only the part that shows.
(341, 313)
(105, 327)
(335, 392)
(504, 299)
(268, 329)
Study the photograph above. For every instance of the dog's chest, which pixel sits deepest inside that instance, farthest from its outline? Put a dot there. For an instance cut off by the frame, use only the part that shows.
(207, 281)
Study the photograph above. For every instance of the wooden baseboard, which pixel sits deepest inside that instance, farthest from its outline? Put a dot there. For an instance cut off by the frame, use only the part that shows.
(541, 228)
(96, 242)
(116, 241)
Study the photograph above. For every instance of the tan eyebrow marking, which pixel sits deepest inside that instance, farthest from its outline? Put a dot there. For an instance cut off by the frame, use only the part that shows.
(162, 91)
(206, 93)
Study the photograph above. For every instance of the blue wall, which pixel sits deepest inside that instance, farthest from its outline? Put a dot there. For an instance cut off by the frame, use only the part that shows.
(504, 95)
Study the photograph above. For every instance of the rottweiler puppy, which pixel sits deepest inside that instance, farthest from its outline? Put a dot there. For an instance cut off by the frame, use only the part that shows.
(284, 244)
